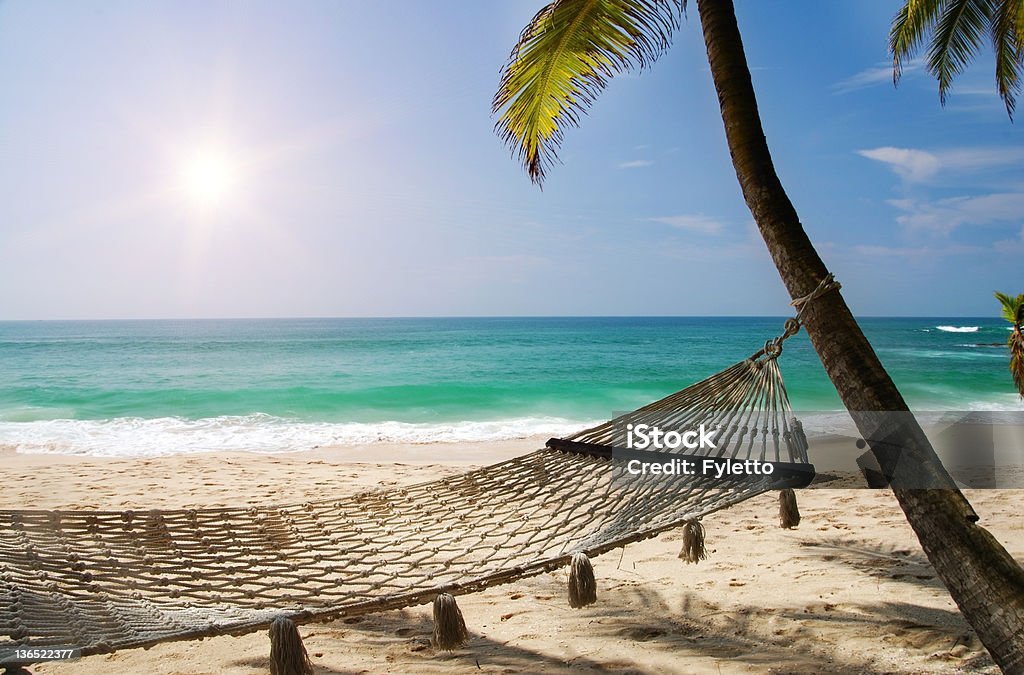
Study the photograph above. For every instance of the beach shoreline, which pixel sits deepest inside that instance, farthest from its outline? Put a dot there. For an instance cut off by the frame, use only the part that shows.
(231, 478)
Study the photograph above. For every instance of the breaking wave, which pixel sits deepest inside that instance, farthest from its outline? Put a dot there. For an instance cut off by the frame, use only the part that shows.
(138, 437)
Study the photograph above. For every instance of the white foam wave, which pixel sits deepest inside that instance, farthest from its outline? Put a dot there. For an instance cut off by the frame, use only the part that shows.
(138, 437)
(1004, 403)
(958, 329)
(1004, 409)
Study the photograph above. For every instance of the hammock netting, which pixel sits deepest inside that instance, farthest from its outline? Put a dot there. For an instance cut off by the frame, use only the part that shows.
(109, 580)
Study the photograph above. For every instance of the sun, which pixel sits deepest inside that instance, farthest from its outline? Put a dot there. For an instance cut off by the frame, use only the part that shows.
(209, 177)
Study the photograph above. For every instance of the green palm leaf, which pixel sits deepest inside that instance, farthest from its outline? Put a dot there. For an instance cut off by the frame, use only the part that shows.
(912, 23)
(957, 29)
(958, 37)
(1012, 307)
(564, 59)
(1008, 42)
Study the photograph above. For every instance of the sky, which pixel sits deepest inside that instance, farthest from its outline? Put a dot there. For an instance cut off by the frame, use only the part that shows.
(200, 159)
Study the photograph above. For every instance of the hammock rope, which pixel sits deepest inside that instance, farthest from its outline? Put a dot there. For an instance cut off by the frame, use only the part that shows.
(108, 580)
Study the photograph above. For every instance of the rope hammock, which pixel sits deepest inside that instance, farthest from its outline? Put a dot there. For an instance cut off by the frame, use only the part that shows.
(108, 580)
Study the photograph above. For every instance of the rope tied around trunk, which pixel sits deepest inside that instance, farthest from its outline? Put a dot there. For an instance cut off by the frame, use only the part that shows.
(773, 347)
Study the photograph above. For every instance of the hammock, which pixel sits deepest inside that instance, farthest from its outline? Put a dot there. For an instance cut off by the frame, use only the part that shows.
(107, 580)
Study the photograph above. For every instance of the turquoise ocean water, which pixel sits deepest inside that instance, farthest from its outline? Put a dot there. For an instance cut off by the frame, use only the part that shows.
(132, 388)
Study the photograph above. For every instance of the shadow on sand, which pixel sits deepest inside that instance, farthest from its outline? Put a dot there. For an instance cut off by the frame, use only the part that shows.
(742, 638)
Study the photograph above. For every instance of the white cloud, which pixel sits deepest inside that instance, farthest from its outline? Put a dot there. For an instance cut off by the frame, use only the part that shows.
(911, 165)
(944, 215)
(902, 204)
(692, 223)
(916, 166)
(878, 251)
(865, 78)
(933, 252)
(973, 159)
(1014, 246)
(635, 164)
(875, 75)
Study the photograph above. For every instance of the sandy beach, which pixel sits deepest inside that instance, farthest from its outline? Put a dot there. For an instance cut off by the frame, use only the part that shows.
(849, 591)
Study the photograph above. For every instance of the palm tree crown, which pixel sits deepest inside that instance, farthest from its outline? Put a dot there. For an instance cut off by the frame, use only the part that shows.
(958, 28)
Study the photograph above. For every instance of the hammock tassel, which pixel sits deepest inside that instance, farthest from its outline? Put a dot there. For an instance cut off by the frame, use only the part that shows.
(449, 626)
(582, 585)
(789, 512)
(287, 653)
(693, 542)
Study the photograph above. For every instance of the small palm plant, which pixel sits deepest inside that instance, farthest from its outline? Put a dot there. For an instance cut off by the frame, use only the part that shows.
(1013, 311)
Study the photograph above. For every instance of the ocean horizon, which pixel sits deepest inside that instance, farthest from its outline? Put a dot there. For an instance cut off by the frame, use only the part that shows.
(147, 387)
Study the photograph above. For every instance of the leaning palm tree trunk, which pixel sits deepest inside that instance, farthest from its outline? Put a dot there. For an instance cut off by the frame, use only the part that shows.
(983, 579)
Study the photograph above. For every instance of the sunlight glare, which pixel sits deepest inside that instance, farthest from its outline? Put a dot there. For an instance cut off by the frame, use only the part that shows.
(208, 177)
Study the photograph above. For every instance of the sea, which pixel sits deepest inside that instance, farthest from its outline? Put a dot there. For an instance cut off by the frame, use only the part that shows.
(148, 388)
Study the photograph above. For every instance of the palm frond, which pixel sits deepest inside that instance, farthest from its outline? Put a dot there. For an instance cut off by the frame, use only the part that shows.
(915, 19)
(1008, 42)
(958, 37)
(1012, 307)
(564, 59)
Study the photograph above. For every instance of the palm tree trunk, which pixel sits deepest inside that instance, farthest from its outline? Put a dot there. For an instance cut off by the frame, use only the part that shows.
(1016, 345)
(983, 579)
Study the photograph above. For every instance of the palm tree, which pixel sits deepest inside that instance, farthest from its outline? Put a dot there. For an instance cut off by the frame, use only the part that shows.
(1013, 311)
(563, 59)
(958, 28)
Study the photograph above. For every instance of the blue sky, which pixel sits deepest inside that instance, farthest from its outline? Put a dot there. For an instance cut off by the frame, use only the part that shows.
(366, 179)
